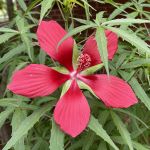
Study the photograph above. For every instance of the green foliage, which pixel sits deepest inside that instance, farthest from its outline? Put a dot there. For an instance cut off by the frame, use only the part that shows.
(57, 138)
(18, 116)
(31, 120)
(45, 6)
(95, 126)
(27, 124)
(102, 46)
(122, 129)
(132, 38)
(4, 115)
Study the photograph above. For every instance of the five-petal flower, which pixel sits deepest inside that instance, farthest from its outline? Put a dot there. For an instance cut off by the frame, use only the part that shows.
(72, 111)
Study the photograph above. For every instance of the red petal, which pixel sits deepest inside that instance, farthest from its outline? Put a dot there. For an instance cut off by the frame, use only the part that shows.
(72, 111)
(49, 34)
(112, 43)
(113, 91)
(36, 80)
(91, 48)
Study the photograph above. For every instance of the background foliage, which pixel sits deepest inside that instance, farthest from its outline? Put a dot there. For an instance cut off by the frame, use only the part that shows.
(30, 121)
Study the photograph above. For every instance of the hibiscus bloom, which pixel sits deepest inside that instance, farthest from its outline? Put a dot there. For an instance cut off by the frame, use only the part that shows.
(72, 111)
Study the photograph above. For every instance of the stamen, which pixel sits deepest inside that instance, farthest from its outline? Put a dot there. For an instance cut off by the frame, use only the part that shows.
(84, 61)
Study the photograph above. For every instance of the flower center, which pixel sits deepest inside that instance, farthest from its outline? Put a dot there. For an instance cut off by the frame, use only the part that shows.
(73, 74)
(84, 61)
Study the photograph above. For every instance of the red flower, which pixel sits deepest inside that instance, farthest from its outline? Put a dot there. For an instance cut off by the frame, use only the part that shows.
(72, 111)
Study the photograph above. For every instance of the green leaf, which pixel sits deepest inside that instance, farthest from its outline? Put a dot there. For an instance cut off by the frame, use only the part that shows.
(95, 126)
(132, 115)
(21, 24)
(2, 29)
(92, 69)
(105, 117)
(65, 87)
(32, 5)
(18, 116)
(76, 145)
(57, 138)
(22, 4)
(121, 59)
(85, 2)
(9, 102)
(75, 56)
(102, 46)
(132, 39)
(45, 6)
(27, 124)
(6, 36)
(136, 63)
(89, 140)
(87, 11)
(17, 50)
(140, 92)
(125, 21)
(84, 86)
(99, 17)
(125, 75)
(82, 21)
(120, 9)
(61, 69)
(4, 115)
(137, 89)
(139, 131)
(42, 57)
(21, 65)
(102, 146)
(76, 2)
(122, 129)
(75, 31)
(12, 102)
(139, 146)
(27, 42)
(136, 145)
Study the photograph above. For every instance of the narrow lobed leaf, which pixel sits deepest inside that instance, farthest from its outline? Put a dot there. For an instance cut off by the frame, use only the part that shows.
(102, 46)
(95, 126)
(75, 31)
(45, 6)
(122, 129)
(125, 21)
(27, 124)
(57, 138)
(132, 39)
(139, 91)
